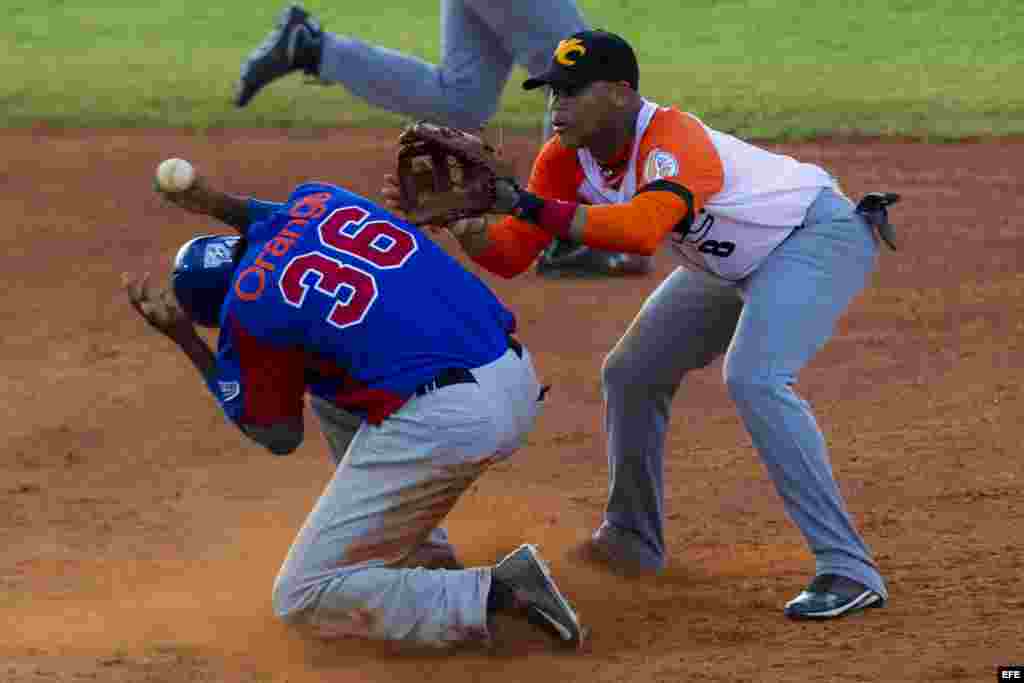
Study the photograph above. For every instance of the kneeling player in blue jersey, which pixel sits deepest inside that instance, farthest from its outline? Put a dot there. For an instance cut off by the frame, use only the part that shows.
(331, 295)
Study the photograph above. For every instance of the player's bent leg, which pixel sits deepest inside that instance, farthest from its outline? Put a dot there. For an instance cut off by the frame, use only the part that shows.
(347, 572)
(462, 91)
(392, 489)
(434, 553)
(792, 304)
(684, 324)
(339, 427)
(528, 29)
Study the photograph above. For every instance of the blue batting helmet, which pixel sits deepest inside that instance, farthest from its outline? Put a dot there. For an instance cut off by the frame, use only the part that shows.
(202, 275)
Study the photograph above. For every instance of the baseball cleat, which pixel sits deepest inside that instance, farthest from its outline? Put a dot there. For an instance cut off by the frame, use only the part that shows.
(830, 596)
(599, 551)
(528, 576)
(618, 551)
(295, 44)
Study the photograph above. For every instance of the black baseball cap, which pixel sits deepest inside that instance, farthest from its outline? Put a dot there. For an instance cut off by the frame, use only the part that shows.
(589, 56)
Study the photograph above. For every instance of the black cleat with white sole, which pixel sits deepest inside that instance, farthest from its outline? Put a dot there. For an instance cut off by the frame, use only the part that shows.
(528, 576)
(295, 44)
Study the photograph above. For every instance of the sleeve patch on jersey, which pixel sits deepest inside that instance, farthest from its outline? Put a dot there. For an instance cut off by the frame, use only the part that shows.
(229, 390)
(660, 164)
(218, 253)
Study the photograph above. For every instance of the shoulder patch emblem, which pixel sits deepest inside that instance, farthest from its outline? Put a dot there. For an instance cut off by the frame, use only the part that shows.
(229, 390)
(660, 164)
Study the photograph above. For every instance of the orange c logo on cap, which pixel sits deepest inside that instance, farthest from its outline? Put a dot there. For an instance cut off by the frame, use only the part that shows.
(566, 48)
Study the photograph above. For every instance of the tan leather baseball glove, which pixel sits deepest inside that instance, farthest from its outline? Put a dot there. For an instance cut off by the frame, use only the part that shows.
(445, 174)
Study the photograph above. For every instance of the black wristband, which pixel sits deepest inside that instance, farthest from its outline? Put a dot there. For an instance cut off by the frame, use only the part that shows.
(528, 207)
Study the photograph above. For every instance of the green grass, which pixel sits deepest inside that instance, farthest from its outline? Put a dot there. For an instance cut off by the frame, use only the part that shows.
(789, 68)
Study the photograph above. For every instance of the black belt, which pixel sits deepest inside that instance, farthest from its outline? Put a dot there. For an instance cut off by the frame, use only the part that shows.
(515, 345)
(450, 376)
(446, 378)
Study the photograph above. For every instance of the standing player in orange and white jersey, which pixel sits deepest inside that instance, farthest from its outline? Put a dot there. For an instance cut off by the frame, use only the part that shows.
(774, 254)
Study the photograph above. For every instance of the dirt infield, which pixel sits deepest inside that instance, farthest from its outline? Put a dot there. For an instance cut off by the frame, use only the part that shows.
(140, 535)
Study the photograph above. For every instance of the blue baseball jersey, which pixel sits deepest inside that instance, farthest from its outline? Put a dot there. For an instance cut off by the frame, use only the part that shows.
(338, 297)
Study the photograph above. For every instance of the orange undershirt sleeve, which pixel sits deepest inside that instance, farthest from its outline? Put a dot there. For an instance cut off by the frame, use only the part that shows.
(638, 226)
(513, 246)
(678, 170)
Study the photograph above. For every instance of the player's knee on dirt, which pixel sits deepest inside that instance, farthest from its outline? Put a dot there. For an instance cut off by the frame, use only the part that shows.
(298, 604)
(292, 599)
(296, 597)
(295, 602)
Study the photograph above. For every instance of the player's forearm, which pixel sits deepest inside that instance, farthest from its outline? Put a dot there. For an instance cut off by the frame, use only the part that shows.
(637, 226)
(241, 212)
(233, 210)
(278, 439)
(199, 353)
(230, 209)
(510, 246)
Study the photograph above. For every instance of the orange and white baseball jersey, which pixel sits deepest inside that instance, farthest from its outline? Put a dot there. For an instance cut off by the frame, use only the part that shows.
(726, 203)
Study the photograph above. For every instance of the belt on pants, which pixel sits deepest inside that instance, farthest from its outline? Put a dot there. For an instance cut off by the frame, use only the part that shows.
(450, 376)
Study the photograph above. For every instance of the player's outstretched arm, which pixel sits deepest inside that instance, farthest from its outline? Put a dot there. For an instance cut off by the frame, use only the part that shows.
(161, 311)
(178, 182)
(204, 199)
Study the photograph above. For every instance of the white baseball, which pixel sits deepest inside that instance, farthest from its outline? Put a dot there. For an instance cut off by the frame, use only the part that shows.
(175, 175)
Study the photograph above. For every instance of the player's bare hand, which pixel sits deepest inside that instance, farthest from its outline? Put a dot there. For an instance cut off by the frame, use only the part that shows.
(159, 308)
(468, 226)
(199, 198)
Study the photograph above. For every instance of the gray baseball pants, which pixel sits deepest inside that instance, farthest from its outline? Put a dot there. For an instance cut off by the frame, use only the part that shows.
(769, 326)
(364, 563)
(480, 43)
